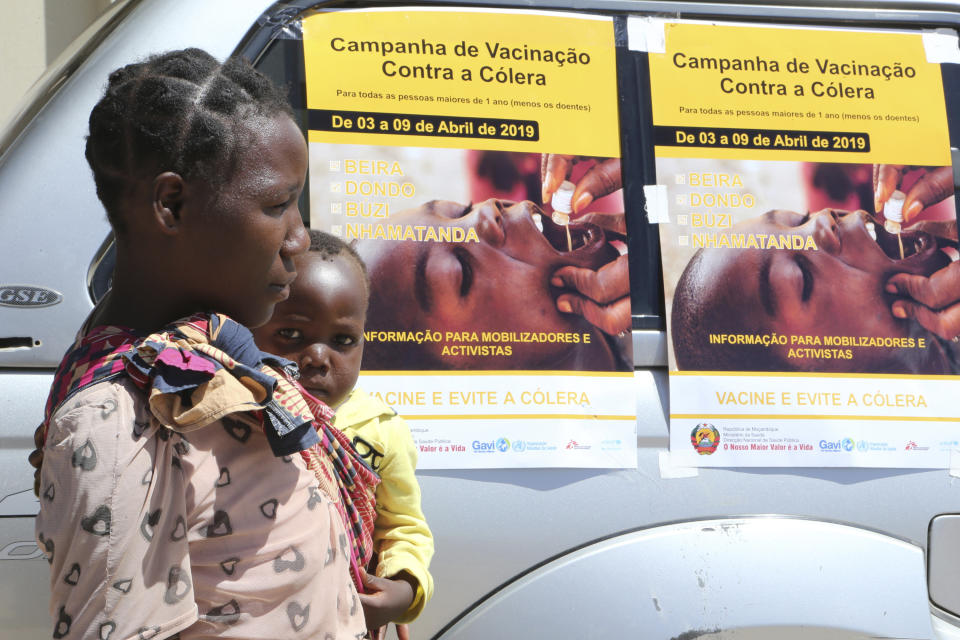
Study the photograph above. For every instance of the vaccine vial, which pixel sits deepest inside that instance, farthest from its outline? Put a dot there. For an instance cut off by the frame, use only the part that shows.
(893, 212)
(893, 216)
(562, 203)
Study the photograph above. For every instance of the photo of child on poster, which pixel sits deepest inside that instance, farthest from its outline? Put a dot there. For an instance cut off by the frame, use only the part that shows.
(788, 266)
(468, 269)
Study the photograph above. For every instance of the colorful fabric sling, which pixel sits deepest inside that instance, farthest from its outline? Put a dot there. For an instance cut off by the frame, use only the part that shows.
(356, 482)
(205, 367)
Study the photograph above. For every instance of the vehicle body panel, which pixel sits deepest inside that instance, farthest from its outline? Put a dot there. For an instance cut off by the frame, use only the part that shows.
(524, 552)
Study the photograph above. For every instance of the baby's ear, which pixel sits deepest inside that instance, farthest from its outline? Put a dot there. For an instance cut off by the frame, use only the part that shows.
(168, 194)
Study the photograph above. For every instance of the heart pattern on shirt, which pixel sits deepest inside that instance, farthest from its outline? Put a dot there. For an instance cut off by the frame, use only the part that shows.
(220, 527)
(49, 493)
(123, 586)
(178, 586)
(47, 545)
(139, 428)
(85, 457)
(73, 577)
(229, 565)
(99, 522)
(179, 530)
(269, 508)
(62, 628)
(226, 613)
(237, 430)
(291, 558)
(107, 629)
(315, 498)
(224, 478)
(182, 447)
(109, 406)
(150, 520)
(298, 614)
(163, 433)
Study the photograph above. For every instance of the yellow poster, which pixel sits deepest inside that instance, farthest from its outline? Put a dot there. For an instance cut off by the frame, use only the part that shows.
(791, 93)
(521, 81)
(432, 132)
(806, 189)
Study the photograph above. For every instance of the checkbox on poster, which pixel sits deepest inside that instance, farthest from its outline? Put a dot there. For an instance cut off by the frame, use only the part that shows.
(682, 220)
(334, 187)
(334, 165)
(336, 208)
(336, 230)
(680, 178)
(683, 241)
(681, 199)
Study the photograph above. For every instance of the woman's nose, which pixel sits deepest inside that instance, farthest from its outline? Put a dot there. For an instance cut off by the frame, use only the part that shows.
(316, 356)
(826, 231)
(489, 222)
(297, 240)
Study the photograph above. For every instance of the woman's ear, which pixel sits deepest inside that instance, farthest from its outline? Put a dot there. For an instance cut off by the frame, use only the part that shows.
(168, 195)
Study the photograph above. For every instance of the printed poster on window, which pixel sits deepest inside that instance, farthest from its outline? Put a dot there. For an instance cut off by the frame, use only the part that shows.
(427, 129)
(785, 346)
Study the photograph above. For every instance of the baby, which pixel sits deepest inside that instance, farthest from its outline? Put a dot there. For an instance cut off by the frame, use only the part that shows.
(320, 326)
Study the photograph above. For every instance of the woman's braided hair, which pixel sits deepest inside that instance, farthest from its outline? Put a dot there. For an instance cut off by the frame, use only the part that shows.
(180, 111)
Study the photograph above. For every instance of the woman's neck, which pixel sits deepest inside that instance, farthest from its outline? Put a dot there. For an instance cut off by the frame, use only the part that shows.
(140, 298)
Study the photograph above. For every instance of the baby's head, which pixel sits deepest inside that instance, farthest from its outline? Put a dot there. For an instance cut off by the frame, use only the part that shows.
(199, 166)
(320, 326)
(727, 298)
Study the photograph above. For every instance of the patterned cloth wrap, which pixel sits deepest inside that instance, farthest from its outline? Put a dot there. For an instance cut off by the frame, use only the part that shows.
(205, 367)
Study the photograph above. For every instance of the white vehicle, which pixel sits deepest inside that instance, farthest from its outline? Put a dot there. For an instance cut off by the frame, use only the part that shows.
(524, 553)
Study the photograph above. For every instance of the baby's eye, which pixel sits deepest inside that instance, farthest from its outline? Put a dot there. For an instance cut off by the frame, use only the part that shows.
(290, 334)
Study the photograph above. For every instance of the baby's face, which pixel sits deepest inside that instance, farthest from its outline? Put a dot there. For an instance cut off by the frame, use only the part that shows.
(500, 281)
(320, 327)
(836, 290)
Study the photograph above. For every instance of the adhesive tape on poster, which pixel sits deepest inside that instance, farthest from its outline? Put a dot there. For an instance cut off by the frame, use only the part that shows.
(954, 463)
(646, 34)
(656, 196)
(670, 470)
(941, 47)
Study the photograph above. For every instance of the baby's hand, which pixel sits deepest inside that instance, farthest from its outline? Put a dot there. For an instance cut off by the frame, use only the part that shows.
(386, 599)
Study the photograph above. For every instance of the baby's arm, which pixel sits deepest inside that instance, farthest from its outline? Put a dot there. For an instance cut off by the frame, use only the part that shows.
(401, 536)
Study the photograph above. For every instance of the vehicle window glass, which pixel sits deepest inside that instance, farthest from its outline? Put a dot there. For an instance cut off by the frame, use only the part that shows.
(60, 70)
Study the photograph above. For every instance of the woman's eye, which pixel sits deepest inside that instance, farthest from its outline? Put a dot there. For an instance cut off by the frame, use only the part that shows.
(280, 208)
(290, 334)
(466, 270)
(804, 220)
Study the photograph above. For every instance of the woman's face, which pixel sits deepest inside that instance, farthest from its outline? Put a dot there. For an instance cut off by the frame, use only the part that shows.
(836, 290)
(501, 282)
(239, 248)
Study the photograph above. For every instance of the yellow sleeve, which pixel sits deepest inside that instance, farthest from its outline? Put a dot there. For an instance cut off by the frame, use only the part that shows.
(401, 536)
